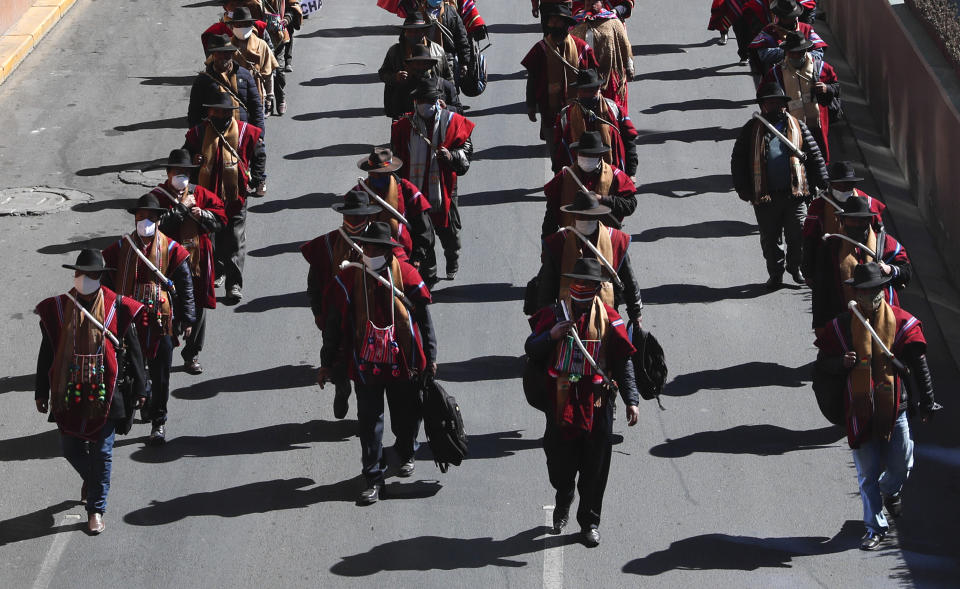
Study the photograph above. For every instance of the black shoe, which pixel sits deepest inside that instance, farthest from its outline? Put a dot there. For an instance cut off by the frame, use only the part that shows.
(218, 281)
(774, 282)
(893, 504)
(158, 435)
(453, 266)
(288, 67)
(341, 399)
(83, 493)
(234, 294)
(370, 495)
(144, 414)
(430, 281)
(407, 469)
(590, 537)
(798, 276)
(871, 541)
(560, 519)
(192, 365)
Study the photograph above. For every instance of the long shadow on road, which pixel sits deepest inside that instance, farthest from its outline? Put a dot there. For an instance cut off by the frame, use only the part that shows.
(291, 247)
(762, 440)
(330, 151)
(370, 78)
(37, 524)
(274, 438)
(428, 553)
(45, 444)
(264, 497)
(268, 379)
(480, 368)
(491, 292)
(704, 230)
(314, 200)
(741, 553)
(695, 186)
(742, 376)
(682, 294)
(500, 197)
(290, 300)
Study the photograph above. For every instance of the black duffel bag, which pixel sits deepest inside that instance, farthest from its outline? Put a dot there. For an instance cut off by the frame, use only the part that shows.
(828, 389)
(443, 425)
(534, 383)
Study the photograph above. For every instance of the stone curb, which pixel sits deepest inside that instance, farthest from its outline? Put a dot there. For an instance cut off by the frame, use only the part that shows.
(17, 42)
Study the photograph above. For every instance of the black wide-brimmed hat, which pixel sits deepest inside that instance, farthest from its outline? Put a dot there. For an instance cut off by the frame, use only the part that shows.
(380, 161)
(771, 91)
(796, 41)
(357, 203)
(587, 269)
(427, 87)
(869, 275)
(590, 143)
(89, 260)
(557, 9)
(377, 233)
(587, 204)
(416, 20)
(421, 53)
(220, 43)
(587, 78)
(843, 172)
(241, 15)
(856, 207)
(147, 202)
(786, 8)
(180, 158)
(222, 101)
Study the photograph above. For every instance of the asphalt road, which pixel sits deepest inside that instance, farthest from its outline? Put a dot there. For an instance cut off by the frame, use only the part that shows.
(739, 483)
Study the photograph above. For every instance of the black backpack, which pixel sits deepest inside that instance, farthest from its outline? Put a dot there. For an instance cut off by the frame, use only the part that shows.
(474, 82)
(648, 364)
(443, 425)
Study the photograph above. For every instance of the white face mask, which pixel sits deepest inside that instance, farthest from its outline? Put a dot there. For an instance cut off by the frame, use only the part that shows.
(85, 285)
(375, 263)
(588, 163)
(242, 32)
(426, 111)
(180, 181)
(146, 228)
(586, 226)
(841, 196)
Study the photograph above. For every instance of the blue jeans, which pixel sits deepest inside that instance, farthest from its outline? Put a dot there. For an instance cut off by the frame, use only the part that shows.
(93, 462)
(882, 469)
(403, 400)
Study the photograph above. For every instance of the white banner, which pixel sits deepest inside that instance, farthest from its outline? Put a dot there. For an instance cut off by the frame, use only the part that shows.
(310, 6)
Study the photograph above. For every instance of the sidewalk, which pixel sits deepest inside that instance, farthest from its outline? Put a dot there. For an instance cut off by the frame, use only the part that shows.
(17, 42)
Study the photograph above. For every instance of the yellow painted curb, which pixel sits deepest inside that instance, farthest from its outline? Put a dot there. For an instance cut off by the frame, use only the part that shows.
(26, 33)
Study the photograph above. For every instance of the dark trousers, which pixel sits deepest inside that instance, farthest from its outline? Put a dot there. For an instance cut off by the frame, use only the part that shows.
(194, 344)
(288, 49)
(93, 461)
(781, 220)
(588, 457)
(159, 370)
(230, 248)
(449, 237)
(404, 402)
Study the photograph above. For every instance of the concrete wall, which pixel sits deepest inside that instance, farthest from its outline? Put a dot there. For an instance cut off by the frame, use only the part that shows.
(10, 11)
(918, 117)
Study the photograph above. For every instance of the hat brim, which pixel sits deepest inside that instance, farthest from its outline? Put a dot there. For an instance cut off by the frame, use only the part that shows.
(805, 46)
(841, 180)
(586, 86)
(357, 212)
(223, 49)
(598, 211)
(376, 241)
(857, 215)
(393, 166)
(590, 150)
(413, 27)
(87, 268)
(432, 94)
(429, 58)
(876, 282)
(589, 277)
(223, 106)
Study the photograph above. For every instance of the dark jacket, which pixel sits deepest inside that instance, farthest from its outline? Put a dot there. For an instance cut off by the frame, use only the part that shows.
(741, 163)
(455, 40)
(205, 90)
(396, 97)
